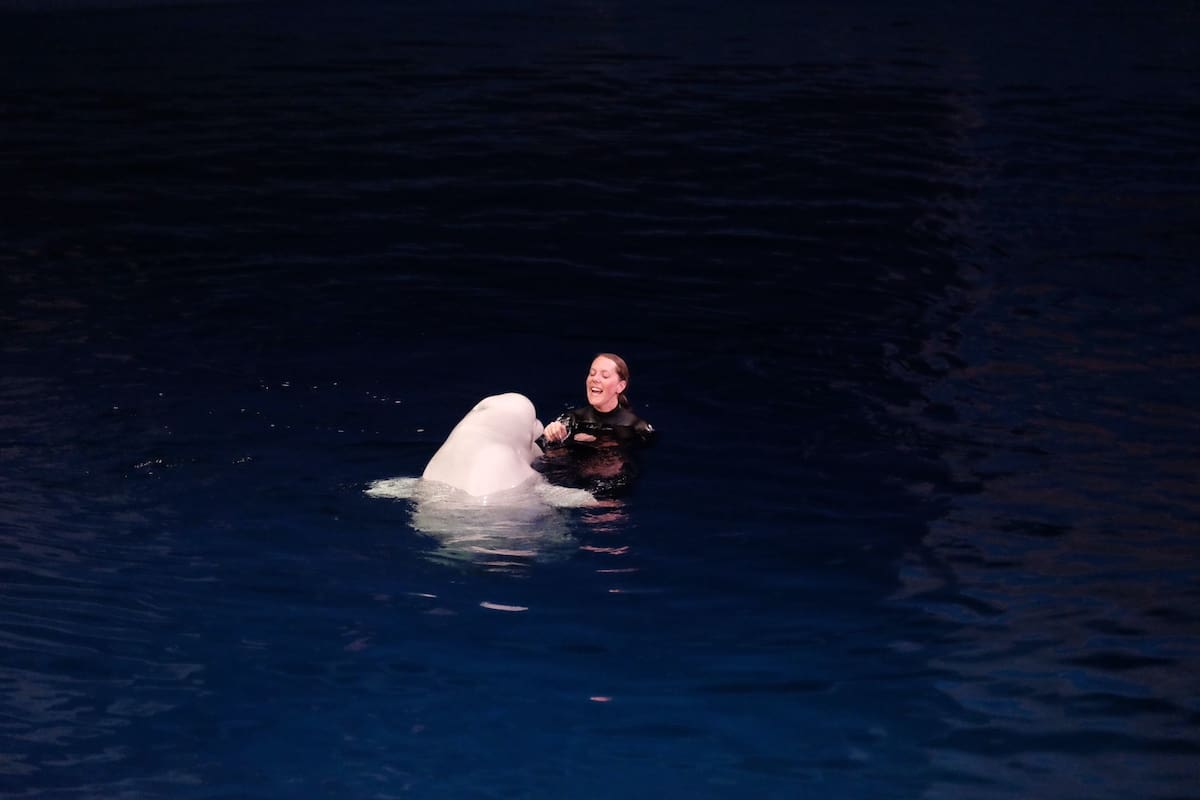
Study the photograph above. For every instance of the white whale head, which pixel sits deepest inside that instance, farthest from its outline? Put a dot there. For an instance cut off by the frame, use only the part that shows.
(491, 449)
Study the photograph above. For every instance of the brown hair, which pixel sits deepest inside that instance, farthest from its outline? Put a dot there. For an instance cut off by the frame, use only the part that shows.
(622, 373)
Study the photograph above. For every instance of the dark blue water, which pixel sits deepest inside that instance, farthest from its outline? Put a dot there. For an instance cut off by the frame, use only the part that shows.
(909, 290)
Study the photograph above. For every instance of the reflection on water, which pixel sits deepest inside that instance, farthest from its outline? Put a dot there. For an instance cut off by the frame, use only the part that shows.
(507, 532)
(606, 470)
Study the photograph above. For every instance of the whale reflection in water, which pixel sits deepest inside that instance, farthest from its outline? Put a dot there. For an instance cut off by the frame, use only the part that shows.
(504, 531)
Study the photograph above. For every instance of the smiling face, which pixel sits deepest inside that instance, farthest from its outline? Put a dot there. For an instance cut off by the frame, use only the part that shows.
(604, 384)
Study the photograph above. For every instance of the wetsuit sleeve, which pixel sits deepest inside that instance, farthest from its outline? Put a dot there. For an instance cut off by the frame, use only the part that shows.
(645, 433)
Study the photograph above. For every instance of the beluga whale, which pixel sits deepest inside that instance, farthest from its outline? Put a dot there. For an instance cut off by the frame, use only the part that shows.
(487, 460)
(479, 494)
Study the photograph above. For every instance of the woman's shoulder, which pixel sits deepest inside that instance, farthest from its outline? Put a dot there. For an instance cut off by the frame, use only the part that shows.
(630, 418)
(645, 431)
(626, 417)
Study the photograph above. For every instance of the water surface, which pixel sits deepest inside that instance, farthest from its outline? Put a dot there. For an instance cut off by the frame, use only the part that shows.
(909, 292)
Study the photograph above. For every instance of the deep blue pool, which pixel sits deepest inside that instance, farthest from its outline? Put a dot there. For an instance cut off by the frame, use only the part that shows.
(909, 291)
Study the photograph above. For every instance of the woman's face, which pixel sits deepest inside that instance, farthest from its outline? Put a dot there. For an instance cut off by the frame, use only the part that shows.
(604, 384)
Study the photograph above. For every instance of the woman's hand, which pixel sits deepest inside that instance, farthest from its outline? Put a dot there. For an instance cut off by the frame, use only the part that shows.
(555, 432)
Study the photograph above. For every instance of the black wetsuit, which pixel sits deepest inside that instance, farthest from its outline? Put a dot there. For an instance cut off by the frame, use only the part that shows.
(606, 467)
(620, 424)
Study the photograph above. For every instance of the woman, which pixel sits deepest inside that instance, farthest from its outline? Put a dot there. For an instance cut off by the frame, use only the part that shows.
(607, 418)
(601, 436)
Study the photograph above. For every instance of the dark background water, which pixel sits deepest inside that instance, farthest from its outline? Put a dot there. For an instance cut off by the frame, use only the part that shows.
(909, 290)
